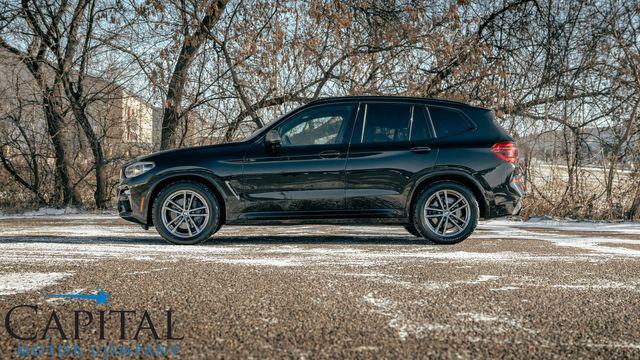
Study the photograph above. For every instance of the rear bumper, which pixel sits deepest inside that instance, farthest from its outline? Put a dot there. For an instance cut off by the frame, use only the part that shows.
(507, 201)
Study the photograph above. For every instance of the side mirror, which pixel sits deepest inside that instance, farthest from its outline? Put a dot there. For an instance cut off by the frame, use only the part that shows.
(272, 140)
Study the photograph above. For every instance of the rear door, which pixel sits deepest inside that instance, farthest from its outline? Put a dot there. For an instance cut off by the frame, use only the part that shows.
(392, 144)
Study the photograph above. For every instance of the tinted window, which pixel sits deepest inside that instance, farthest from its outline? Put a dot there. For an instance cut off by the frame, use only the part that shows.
(448, 122)
(386, 122)
(317, 126)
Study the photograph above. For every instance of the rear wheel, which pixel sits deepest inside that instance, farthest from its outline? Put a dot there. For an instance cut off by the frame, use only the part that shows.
(186, 213)
(446, 212)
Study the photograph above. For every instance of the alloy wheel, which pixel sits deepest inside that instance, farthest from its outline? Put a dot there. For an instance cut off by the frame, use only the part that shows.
(185, 213)
(447, 213)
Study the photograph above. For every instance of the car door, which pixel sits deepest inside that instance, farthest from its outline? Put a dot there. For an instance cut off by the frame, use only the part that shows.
(391, 146)
(305, 176)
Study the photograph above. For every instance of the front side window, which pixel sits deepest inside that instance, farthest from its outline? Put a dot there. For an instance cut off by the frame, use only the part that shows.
(448, 122)
(320, 125)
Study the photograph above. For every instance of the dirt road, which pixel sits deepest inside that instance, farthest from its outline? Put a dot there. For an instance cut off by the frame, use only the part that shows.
(514, 289)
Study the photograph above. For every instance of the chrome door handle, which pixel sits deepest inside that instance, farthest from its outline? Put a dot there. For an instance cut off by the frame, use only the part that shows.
(328, 154)
(421, 149)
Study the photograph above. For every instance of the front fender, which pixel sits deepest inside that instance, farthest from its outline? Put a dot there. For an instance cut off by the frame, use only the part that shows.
(221, 187)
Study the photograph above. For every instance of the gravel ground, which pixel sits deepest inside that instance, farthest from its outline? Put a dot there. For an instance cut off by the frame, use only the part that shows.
(541, 289)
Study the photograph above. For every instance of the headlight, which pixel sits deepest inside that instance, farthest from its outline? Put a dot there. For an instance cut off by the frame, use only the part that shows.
(138, 168)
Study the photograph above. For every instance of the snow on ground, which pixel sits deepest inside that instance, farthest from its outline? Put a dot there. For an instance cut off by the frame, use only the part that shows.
(94, 237)
(14, 283)
(625, 233)
(626, 227)
(397, 274)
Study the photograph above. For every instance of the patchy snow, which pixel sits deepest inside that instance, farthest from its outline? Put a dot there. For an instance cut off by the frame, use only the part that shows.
(145, 271)
(15, 283)
(47, 211)
(483, 278)
(404, 325)
(67, 213)
(499, 322)
(260, 262)
(596, 285)
(626, 227)
(505, 288)
(608, 234)
(95, 237)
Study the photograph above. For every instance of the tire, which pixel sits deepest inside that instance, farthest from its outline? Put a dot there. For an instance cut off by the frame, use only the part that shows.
(412, 230)
(193, 227)
(461, 210)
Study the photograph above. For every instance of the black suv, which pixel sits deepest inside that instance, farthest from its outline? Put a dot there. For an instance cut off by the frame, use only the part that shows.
(433, 166)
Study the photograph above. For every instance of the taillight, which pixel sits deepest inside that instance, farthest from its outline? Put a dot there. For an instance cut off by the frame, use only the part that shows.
(507, 151)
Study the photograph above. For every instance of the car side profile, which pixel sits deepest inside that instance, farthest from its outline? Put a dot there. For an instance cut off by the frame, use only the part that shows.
(433, 166)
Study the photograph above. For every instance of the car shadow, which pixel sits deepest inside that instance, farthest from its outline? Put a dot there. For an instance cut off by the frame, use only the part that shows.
(221, 240)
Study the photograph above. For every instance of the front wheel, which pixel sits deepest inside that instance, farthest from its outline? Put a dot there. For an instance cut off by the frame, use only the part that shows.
(186, 213)
(446, 212)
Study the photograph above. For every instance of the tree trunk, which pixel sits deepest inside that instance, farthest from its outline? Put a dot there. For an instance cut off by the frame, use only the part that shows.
(175, 91)
(80, 114)
(54, 128)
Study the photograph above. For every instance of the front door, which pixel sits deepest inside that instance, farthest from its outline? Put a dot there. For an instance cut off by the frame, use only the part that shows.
(305, 177)
(391, 146)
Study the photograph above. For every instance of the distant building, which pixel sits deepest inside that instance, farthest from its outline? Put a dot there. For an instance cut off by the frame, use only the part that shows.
(122, 120)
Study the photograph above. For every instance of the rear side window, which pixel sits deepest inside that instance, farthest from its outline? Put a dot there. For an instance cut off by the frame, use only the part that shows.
(386, 122)
(393, 123)
(448, 122)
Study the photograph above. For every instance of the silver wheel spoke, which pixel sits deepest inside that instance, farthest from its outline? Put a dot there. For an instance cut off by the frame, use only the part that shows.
(195, 226)
(176, 205)
(446, 200)
(197, 209)
(456, 224)
(464, 223)
(462, 206)
(175, 228)
(453, 206)
(188, 226)
(439, 201)
(190, 202)
(174, 220)
(174, 210)
(444, 228)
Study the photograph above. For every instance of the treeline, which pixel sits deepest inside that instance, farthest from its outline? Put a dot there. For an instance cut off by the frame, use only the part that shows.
(562, 76)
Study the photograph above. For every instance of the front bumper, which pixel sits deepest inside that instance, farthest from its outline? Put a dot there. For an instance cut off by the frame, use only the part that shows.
(131, 205)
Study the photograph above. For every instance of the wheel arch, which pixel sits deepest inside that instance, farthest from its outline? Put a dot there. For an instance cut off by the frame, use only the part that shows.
(206, 180)
(457, 176)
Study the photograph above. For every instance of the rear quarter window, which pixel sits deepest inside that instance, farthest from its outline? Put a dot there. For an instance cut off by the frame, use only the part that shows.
(449, 122)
